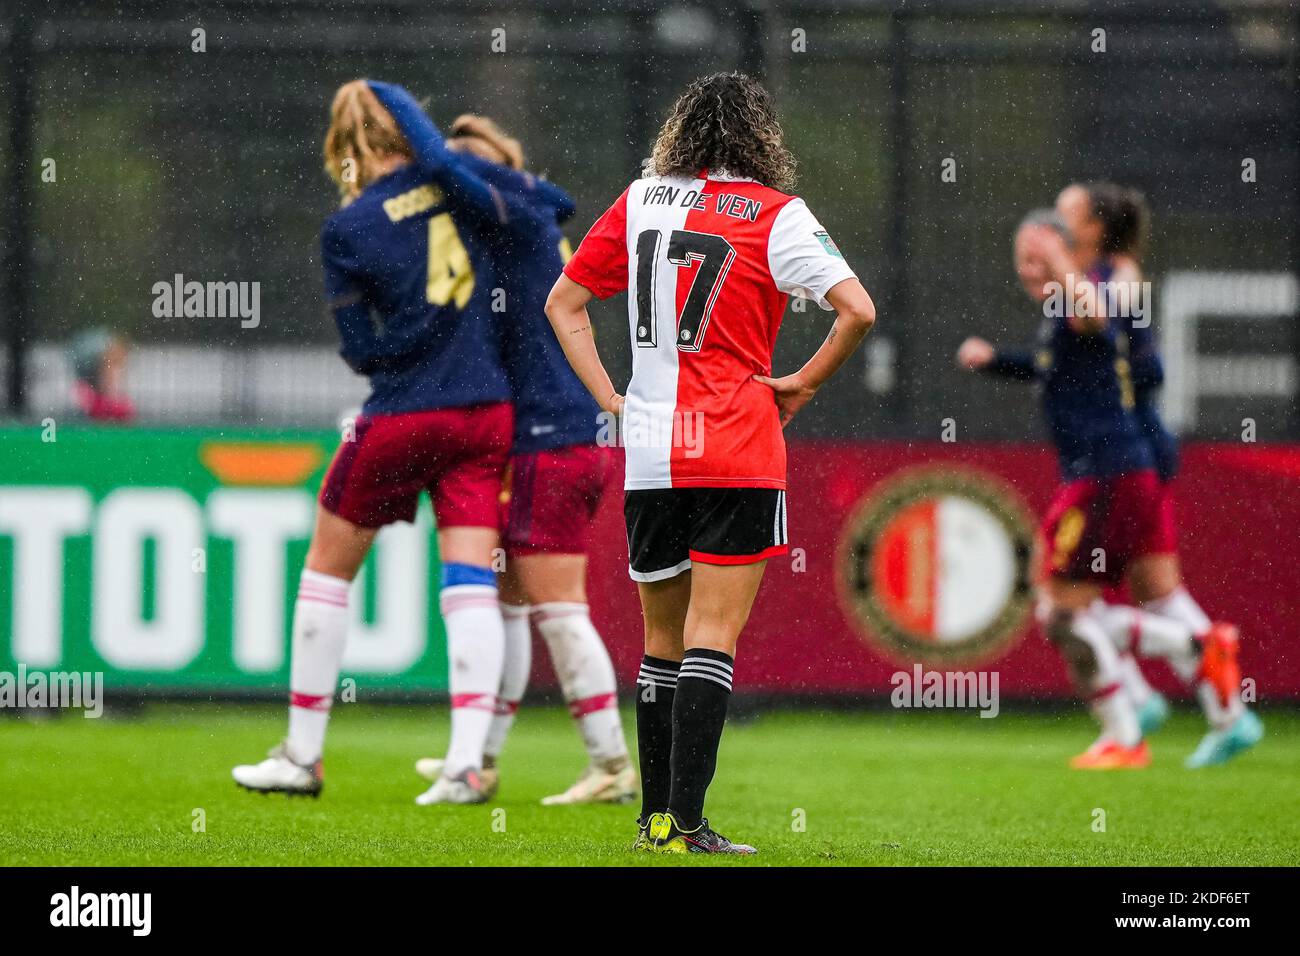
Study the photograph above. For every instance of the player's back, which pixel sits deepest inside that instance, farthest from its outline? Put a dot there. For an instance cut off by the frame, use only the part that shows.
(1088, 400)
(424, 276)
(1137, 345)
(708, 264)
(553, 409)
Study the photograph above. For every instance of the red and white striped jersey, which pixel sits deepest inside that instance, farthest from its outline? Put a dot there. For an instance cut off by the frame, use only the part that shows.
(708, 264)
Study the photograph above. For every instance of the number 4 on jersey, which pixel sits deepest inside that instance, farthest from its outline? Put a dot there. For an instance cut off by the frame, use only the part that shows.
(450, 273)
(714, 255)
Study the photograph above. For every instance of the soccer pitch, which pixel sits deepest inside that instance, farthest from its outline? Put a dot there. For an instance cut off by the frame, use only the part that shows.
(808, 788)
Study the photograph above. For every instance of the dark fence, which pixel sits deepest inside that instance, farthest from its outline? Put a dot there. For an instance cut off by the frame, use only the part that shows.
(165, 160)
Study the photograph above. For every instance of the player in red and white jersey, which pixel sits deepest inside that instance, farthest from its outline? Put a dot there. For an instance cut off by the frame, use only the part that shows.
(720, 253)
(709, 248)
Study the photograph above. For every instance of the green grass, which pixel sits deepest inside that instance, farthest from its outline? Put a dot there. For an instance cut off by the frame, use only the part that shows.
(873, 788)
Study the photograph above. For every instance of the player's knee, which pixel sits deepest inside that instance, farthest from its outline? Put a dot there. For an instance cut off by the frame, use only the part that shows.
(555, 591)
(1080, 656)
(475, 546)
(664, 645)
(665, 639)
(719, 632)
(1058, 624)
(1154, 578)
(343, 563)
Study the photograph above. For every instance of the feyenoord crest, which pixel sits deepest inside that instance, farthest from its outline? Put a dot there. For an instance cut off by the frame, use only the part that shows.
(934, 565)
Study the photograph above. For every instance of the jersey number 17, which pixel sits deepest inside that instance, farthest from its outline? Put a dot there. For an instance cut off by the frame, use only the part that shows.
(714, 254)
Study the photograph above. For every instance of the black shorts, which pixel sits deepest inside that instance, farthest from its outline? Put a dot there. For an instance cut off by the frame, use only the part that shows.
(668, 528)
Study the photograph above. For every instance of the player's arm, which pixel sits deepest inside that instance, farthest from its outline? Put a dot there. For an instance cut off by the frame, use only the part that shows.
(855, 315)
(346, 303)
(597, 270)
(978, 355)
(365, 350)
(526, 184)
(1090, 310)
(804, 261)
(557, 198)
(1148, 370)
(566, 307)
(352, 319)
(464, 189)
(1089, 316)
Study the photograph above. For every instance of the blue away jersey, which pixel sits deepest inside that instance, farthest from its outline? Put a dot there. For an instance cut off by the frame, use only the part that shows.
(409, 279)
(553, 409)
(1087, 398)
(1099, 394)
(1148, 372)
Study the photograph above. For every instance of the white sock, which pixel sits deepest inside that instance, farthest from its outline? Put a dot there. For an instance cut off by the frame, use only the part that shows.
(1146, 632)
(586, 678)
(1134, 681)
(320, 630)
(514, 675)
(1114, 711)
(476, 648)
(1180, 606)
(1217, 715)
(1110, 705)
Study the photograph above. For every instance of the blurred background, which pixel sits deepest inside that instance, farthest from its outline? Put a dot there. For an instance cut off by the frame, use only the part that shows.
(209, 165)
(155, 139)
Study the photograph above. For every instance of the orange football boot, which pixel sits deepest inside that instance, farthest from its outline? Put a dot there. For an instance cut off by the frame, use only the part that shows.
(1219, 666)
(1111, 755)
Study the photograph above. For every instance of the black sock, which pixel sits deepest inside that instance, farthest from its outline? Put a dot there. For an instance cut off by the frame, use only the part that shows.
(700, 710)
(655, 687)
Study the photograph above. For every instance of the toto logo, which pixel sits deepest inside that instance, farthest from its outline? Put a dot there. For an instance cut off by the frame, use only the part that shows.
(934, 565)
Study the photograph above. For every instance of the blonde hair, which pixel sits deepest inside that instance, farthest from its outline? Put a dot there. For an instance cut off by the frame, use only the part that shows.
(361, 135)
(470, 126)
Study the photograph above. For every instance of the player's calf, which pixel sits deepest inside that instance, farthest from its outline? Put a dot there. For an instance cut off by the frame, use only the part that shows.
(1095, 669)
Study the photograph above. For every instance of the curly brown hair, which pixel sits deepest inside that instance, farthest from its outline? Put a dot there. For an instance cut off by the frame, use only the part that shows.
(724, 121)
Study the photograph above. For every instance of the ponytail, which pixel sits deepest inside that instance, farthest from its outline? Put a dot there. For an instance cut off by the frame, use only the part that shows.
(1124, 218)
(361, 134)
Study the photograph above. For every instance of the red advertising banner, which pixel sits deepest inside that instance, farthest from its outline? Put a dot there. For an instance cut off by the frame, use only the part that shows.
(909, 553)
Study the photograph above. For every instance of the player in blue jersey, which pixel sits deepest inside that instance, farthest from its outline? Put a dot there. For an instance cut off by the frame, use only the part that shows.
(1108, 224)
(1111, 511)
(409, 277)
(558, 474)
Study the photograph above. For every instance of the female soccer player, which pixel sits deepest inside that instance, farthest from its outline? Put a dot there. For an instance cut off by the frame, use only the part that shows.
(709, 246)
(1109, 514)
(1109, 224)
(409, 278)
(558, 476)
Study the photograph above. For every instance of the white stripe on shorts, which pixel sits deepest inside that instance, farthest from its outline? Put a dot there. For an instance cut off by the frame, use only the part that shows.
(647, 577)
